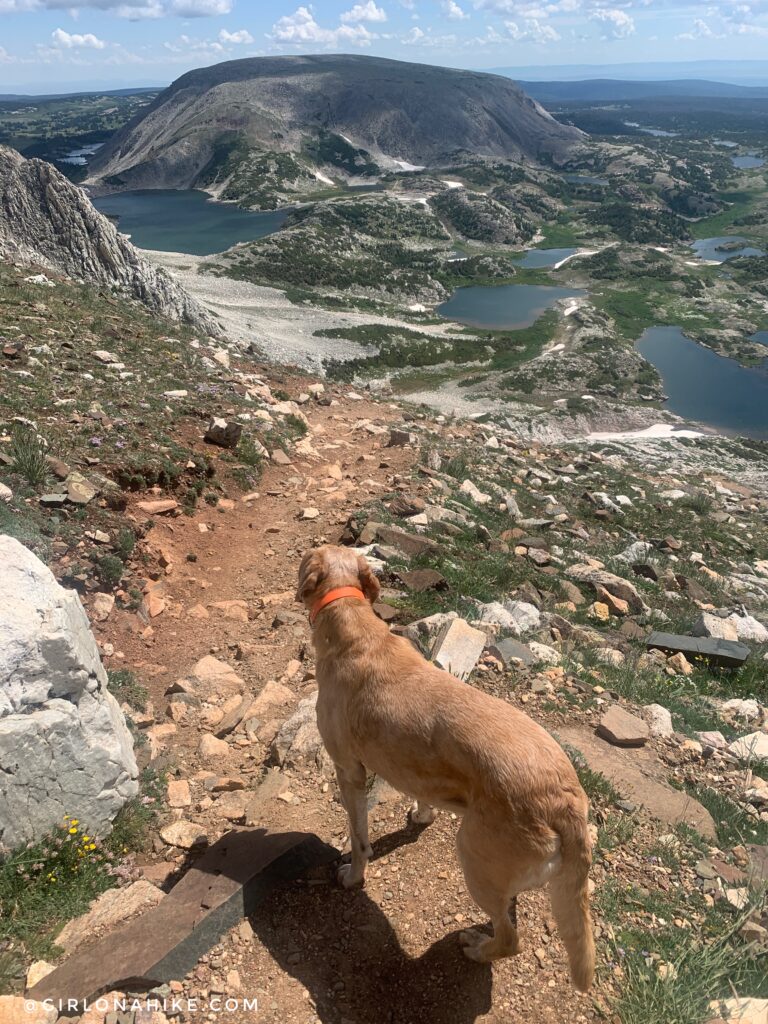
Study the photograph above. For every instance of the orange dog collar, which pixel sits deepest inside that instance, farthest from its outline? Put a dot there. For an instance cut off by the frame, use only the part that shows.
(334, 595)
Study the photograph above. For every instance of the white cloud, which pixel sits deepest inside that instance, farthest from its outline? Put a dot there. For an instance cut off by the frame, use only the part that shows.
(65, 41)
(300, 28)
(135, 11)
(199, 8)
(616, 24)
(5, 57)
(364, 12)
(417, 37)
(532, 31)
(242, 37)
(700, 30)
(186, 44)
(452, 11)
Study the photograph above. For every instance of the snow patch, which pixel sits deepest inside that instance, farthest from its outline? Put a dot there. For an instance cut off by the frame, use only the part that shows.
(452, 184)
(403, 165)
(664, 431)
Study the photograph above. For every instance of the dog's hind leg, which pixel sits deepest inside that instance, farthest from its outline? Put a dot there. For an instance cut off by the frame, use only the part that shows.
(490, 886)
(422, 814)
(352, 785)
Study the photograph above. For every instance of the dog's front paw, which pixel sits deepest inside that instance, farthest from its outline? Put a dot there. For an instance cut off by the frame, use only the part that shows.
(348, 879)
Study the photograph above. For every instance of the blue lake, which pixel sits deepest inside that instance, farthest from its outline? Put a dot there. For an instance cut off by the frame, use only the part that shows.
(761, 337)
(748, 161)
(544, 257)
(186, 220)
(707, 387)
(710, 248)
(505, 307)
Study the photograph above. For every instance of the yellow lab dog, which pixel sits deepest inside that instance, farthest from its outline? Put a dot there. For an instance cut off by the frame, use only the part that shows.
(382, 707)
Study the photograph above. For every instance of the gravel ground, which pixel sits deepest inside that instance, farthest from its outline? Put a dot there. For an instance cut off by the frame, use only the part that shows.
(283, 331)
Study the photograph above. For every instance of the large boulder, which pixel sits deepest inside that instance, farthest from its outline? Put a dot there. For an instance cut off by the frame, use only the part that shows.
(64, 744)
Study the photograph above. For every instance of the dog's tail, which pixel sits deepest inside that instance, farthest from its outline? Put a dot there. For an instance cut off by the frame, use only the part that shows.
(569, 894)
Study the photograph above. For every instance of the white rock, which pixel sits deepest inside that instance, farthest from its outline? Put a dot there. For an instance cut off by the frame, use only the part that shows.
(748, 710)
(458, 648)
(64, 744)
(5, 493)
(637, 552)
(516, 616)
(713, 625)
(609, 656)
(741, 1010)
(19, 1009)
(545, 654)
(748, 628)
(476, 495)
(753, 747)
(299, 739)
(101, 607)
(659, 720)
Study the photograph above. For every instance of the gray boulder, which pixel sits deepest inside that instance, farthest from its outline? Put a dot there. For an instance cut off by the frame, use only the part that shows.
(64, 744)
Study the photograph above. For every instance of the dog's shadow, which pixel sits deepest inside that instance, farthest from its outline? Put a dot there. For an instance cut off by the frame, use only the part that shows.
(340, 945)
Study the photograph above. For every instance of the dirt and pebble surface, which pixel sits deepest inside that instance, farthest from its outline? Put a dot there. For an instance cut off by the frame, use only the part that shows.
(566, 558)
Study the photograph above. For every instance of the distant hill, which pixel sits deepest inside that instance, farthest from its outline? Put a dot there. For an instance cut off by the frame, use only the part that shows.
(323, 116)
(614, 89)
(735, 72)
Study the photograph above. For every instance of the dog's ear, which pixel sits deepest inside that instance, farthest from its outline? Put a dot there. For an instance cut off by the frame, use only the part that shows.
(311, 575)
(368, 582)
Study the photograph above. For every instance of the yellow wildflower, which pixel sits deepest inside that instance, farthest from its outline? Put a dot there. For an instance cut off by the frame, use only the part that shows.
(73, 831)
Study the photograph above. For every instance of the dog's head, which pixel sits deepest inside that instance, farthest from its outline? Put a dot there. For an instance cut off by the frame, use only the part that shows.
(326, 568)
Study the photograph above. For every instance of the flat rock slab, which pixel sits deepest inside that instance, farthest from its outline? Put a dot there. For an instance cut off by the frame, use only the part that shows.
(636, 774)
(623, 729)
(727, 653)
(509, 651)
(165, 943)
(458, 648)
(420, 580)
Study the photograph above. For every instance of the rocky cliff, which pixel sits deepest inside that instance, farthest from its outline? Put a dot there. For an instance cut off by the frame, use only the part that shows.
(341, 115)
(45, 219)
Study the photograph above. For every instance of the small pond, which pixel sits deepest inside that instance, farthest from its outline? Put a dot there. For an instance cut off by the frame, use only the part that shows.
(505, 307)
(544, 257)
(724, 247)
(748, 161)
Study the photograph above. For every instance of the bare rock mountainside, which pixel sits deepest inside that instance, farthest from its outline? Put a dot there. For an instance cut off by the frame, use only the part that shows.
(47, 220)
(331, 115)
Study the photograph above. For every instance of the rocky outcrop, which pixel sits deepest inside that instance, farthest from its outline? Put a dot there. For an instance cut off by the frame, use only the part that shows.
(353, 115)
(64, 744)
(47, 220)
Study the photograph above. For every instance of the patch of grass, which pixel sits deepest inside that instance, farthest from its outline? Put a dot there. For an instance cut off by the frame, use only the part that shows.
(28, 456)
(732, 823)
(594, 784)
(127, 689)
(698, 974)
(616, 830)
(47, 883)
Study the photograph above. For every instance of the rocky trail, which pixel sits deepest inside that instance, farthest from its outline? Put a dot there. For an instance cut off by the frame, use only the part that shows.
(568, 581)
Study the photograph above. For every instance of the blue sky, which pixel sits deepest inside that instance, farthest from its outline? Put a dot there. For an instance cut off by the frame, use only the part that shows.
(102, 43)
